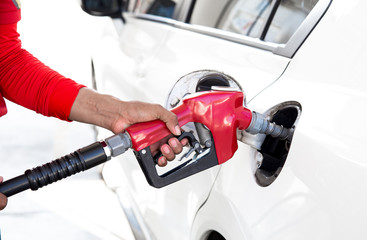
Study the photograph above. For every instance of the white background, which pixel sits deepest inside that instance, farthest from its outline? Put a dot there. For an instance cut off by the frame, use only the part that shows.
(61, 35)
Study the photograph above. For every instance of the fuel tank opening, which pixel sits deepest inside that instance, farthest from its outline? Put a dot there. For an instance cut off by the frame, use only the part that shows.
(272, 155)
(212, 79)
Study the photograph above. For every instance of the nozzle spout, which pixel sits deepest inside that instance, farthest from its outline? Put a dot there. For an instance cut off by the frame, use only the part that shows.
(259, 124)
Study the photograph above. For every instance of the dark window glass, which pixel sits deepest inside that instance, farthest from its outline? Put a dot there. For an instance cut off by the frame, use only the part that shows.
(162, 8)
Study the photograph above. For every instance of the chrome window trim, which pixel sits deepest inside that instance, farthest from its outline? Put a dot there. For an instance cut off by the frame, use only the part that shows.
(205, 30)
(301, 34)
(286, 50)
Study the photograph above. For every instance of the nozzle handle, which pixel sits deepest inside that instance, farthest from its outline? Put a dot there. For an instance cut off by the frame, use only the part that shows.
(148, 165)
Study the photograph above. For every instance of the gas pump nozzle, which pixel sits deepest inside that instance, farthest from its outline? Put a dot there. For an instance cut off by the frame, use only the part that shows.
(221, 112)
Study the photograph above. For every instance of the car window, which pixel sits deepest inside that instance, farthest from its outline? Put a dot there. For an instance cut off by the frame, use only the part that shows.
(270, 20)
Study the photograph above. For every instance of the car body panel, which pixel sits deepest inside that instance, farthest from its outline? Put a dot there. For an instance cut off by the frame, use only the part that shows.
(319, 192)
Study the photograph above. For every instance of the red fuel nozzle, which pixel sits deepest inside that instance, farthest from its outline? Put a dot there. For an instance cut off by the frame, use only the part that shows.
(222, 112)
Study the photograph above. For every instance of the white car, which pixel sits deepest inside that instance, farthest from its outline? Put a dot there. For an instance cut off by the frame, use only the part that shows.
(301, 63)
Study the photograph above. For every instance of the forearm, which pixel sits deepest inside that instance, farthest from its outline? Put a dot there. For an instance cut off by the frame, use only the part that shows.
(116, 115)
(97, 109)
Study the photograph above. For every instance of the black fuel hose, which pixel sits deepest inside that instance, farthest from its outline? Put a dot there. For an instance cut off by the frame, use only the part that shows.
(80, 160)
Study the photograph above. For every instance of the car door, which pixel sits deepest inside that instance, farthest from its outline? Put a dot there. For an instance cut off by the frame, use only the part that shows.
(141, 56)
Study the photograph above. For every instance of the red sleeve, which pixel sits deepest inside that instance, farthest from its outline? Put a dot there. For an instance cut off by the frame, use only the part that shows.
(9, 11)
(28, 82)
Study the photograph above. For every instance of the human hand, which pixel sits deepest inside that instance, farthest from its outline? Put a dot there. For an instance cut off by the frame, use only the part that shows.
(3, 198)
(116, 115)
(135, 112)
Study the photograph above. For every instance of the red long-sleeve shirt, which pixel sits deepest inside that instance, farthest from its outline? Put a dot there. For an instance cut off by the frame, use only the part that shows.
(24, 79)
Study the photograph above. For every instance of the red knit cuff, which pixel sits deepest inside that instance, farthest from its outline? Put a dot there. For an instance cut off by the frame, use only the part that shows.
(62, 99)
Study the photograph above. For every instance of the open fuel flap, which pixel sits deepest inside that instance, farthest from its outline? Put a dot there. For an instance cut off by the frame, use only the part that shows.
(271, 153)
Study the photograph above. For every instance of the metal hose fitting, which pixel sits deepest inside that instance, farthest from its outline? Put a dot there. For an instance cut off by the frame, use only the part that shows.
(118, 143)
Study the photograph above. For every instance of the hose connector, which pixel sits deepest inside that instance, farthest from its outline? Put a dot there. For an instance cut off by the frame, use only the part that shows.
(259, 124)
(118, 143)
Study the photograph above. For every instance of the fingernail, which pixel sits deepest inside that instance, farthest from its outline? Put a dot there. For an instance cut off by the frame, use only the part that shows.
(162, 162)
(173, 142)
(178, 130)
(165, 149)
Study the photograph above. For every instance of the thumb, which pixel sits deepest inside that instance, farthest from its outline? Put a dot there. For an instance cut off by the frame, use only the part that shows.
(172, 123)
(3, 198)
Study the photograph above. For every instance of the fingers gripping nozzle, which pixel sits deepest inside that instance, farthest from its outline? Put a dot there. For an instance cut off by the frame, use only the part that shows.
(261, 125)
